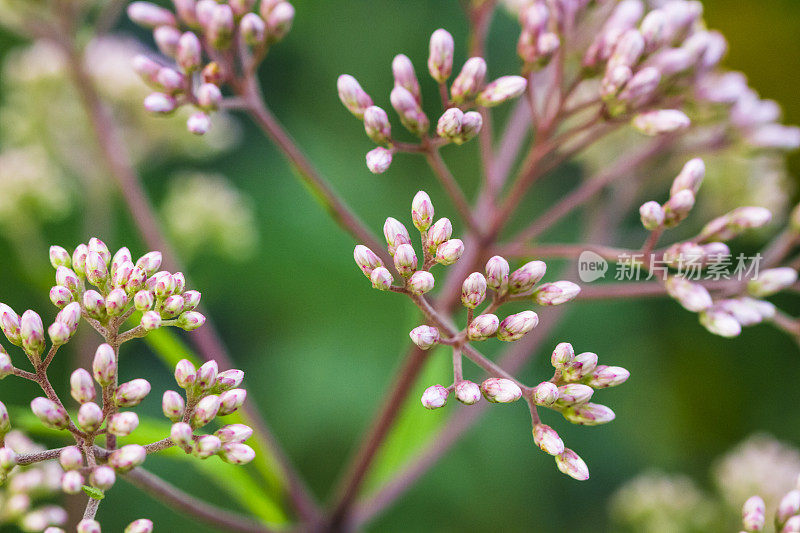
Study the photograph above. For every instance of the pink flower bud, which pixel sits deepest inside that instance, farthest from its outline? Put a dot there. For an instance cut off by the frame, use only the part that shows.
(172, 306)
(198, 123)
(206, 410)
(240, 7)
(70, 458)
(501, 90)
(143, 300)
(253, 29)
(150, 15)
(136, 281)
(573, 394)
(501, 390)
(173, 405)
(789, 506)
(50, 413)
(166, 38)
(228, 379)
(160, 103)
(395, 233)
(188, 53)
(90, 417)
(471, 125)
(79, 257)
(147, 69)
(547, 439)
(641, 86)
(132, 393)
(31, 332)
(206, 446)
(692, 296)
(59, 257)
(170, 80)
(366, 259)
(381, 279)
(556, 293)
(185, 373)
(206, 376)
(690, 177)
(589, 414)
(8, 460)
(523, 279)
(68, 279)
(104, 366)
(420, 282)
(71, 482)
(614, 80)
(6, 368)
(234, 433)
(583, 365)
(236, 453)
(753, 514)
(127, 457)
(440, 232)
(102, 477)
(661, 121)
(562, 355)
(440, 59)
(405, 260)
(231, 400)
(378, 160)
(424, 336)
(434, 397)
(191, 299)
(190, 320)
(469, 81)
(720, 322)
(59, 333)
(654, 29)
(279, 21)
(376, 124)
(353, 96)
(769, 282)
(482, 327)
(95, 304)
(181, 434)
(422, 211)
(186, 10)
(545, 393)
(404, 75)
(70, 315)
(99, 247)
(497, 273)
(123, 424)
(467, 392)
(150, 320)
(116, 301)
(449, 125)
(81, 386)
(608, 376)
(121, 274)
(569, 463)
(87, 525)
(408, 109)
(628, 50)
(449, 252)
(473, 290)
(735, 223)
(220, 26)
(515, 326)
(652, 215)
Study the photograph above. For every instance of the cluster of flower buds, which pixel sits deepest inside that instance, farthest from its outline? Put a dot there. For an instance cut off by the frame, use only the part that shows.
(122, 287)
(456, 125)
(438, 246)
(787, 516)
(22, 487)
(209, 394)
(87, 525)
(681, 201)
(223, 29)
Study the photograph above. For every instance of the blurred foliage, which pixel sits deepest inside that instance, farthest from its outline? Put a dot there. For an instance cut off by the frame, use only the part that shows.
(320, 346)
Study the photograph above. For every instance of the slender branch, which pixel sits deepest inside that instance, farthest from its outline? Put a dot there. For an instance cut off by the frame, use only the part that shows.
(167, 493)
(31, 458)
(91, 509)
(567, 251)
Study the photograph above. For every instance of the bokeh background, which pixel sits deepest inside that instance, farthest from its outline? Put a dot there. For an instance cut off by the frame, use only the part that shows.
(320, 346)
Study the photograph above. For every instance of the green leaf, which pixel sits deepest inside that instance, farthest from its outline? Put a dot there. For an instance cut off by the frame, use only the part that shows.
(95, 494)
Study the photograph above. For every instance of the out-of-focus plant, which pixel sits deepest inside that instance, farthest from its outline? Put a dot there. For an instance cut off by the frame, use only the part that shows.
(625, 88)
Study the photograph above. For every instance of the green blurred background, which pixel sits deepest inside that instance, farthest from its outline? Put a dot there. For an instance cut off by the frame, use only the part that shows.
(320, 346)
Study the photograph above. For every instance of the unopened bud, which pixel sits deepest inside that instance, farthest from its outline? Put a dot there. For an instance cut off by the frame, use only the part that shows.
(378, 160)
(104, 366)
(420, 282)
(467, 392)
(234, 433)
(422, 211)
(121, 274)
(690, 177)
(6, 367)
(607, 376)
(405, 260)
(88, 525)
(556, 293)
(734, 224)
(692, 296)
(395, 233)
(471, 125)
(583, 365)
(753, 514)
(95, 304)
(381, 279)
(563, 354)
(79, 258)
(205, 411)
(449, 125)
(547, 439)
(501, 390)
(70, 458)
(497, 273)
(404, 75)
(150, 15)
(181, 434)
(279, 21)
(116, 301)
(353, 96)
(449, 252)
(641, 86)
(171, 81)
(501, 90)
(50, 413)
(190, 320)
(376, 124)
(231, 400)
(569, 463)
(424, 336)
(236, 453)
(132, 393)
(661, 121)
(589, 414)
(469, 81)
(206, 376)
(366, 259)
(473, 290)
(127, 457)
(482, 327)
(31, 333)
(434, 397)
(771, 281)
(185, 373)
(654, 29)
(198, 123)
(172, 306)
(8, 460)
(652, 215)
(59, 257)
(523, 279)
(160, 103)
(81, 386)
(206, 446)
(440, 232)
(68, 279)
(628, 49)
(102, 477)
(219, 29)
(440, 59)
(90, 417)
(123, 424)
(545, 393)
(515, 326)
(150, 320)
(143, 300)
(253, 29)
(408, 109)
(59, 333)
(574, 394)
(678, 207)
(191, 299)
(789, 506)
(173, 405)
(166, 38)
